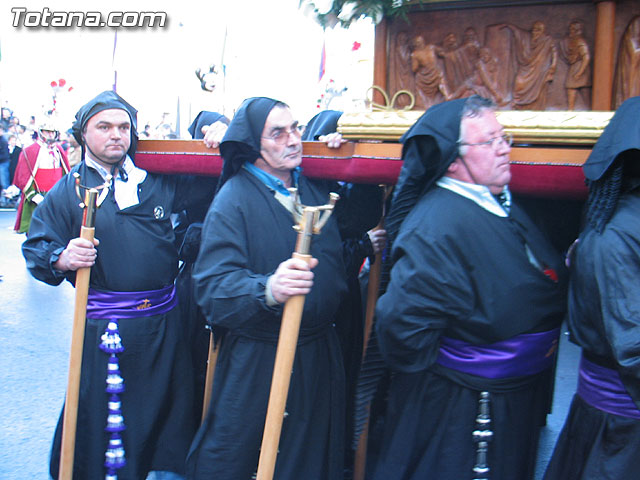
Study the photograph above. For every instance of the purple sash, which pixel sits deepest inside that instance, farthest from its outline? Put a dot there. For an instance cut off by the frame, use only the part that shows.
(602, 388)
(103, 305)
(522, 355)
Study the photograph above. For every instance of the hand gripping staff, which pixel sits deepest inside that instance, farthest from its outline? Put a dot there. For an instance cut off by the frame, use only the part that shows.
(89, 203)
(309, 222)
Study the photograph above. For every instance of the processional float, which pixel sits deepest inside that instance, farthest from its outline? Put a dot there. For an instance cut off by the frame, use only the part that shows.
(546, 159)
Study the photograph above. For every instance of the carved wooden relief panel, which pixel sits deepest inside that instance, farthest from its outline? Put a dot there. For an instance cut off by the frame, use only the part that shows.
(626, 82)
(533, 57)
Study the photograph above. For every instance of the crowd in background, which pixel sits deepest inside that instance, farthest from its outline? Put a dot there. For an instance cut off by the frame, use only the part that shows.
(17, 134)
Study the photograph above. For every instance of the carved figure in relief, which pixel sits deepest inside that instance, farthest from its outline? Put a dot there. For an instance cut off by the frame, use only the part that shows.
(429, 78)
(470, 51)
(575, 51)
(627, 76)
(453, 69)
(536, 56)
(485, 79)
(401, 68)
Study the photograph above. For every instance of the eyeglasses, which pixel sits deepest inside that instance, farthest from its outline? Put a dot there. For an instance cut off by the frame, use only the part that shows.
(494, 142)
(281, 135)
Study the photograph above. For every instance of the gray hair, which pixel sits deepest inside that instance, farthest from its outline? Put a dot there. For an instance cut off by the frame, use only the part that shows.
(474, 106)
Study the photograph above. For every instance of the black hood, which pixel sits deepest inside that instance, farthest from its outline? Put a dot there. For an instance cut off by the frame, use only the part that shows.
(241, 142)
(105, 101)
(205, 118)
(429, 147)
(621, 134)
(323, 123)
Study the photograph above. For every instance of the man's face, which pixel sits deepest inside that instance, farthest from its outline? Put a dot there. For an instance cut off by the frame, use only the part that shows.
(49, 136)
(279, 157)
(484, 164)
(107, 136)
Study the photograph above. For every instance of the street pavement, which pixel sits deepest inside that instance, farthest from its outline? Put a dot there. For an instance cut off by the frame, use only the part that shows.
(35, 335)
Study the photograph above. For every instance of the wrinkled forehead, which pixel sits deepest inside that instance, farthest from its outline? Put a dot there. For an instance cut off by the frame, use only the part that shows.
(113, 116)
(280, 117)
(481, 126)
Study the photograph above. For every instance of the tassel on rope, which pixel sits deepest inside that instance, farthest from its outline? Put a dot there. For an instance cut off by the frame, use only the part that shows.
(114, 457)
(115, 383)
(111, 342)
(115, 420)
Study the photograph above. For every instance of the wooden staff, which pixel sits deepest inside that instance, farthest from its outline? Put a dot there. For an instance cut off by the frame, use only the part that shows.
(286, 349)
(374, 279)
(70, 417)
(212, 359)
(360, 460)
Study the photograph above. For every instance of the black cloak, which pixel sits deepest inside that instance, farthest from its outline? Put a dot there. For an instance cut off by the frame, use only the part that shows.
(429, 147)
(246, 235)
(460, 271)
(603, 307)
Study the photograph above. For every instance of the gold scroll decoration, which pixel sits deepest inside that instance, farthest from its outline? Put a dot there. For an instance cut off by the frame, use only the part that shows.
(527, 127)
(389, 105)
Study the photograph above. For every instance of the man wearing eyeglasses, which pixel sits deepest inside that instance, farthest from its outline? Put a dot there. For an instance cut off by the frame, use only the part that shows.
(243, 276)
(470, 318)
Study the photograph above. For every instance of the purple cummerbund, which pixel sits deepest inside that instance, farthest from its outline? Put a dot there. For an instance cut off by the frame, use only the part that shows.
(103, 305)
(522, 355)
(602, 388)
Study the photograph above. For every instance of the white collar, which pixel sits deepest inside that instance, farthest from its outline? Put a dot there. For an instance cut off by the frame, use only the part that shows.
(126, 193)
(479, 194)
(127, 165)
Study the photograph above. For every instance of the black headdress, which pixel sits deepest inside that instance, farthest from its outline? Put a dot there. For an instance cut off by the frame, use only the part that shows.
(429, 147)
(323, 123)
(604, 169)
(241, 142)
(205, 118)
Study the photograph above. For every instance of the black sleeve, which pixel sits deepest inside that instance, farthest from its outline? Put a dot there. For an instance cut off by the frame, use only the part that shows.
(54, 222)
(359, 209)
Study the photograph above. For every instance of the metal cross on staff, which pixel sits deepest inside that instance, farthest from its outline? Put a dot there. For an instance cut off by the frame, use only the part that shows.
(309, 221)
(90, 200)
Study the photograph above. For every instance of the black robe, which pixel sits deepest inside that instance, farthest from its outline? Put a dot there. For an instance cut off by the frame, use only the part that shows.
(604, 319)
(136, 253)
(462, 272)
(247, 234)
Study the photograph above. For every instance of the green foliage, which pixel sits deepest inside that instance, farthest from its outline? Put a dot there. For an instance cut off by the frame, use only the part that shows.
(344, 12)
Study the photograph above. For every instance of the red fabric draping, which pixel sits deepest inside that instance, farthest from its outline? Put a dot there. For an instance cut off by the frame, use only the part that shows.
(549, 173)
